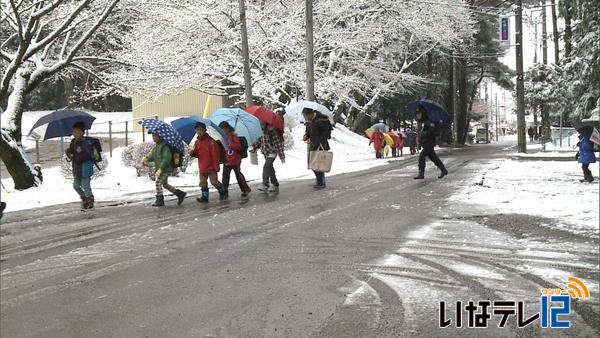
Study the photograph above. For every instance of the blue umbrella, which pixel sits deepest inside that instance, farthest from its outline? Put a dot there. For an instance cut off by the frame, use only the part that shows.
(245, 124)
(59, 123)
(435, 112)
(165, 131)
(380, 127)
(185, 126)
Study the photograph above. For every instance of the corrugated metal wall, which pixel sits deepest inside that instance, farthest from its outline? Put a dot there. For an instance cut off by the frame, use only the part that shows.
(189, 102)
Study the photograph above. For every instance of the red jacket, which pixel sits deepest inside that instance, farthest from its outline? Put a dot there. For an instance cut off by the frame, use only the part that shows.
(377, 140)
(234, 154)
(208, 152)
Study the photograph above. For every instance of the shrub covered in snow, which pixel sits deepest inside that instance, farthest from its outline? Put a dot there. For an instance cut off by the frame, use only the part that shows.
(288, 137)
(132, 157)
(66, 167)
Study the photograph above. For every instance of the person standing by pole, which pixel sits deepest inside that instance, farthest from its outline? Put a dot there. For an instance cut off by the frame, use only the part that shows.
(318, 131)
(427, 133)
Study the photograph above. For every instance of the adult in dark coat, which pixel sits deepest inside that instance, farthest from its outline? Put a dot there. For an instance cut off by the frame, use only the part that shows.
(318, 131)
(427, 133)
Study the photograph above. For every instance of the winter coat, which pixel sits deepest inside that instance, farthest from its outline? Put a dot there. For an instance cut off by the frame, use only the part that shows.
(208, 152)
(82, 157)
(234, 152)
(162, 157)
(318, 131)
(586, 151)
(400, 141)
(427, 133)
(377, 139)
(271, 143)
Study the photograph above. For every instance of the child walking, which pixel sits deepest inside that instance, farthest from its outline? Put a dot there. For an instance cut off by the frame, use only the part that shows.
(161, 156)
(208, 153)
(233, 160)
(80, 153)
(271, 145)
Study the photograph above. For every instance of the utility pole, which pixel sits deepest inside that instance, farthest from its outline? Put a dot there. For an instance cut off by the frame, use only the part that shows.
(245, 55)
(453, 90)
(497, 125)
(310, 66)
(544, 34)
(555, 32)
(522, 145)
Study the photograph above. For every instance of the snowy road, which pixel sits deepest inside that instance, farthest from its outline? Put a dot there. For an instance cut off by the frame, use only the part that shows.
(370, 256)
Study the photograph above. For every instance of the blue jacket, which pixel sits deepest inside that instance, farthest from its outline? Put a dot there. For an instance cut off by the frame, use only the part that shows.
(83, 163)
(586, 152)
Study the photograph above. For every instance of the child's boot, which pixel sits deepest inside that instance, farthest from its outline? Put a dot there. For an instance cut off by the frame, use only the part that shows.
(160, 201)
(223, 194)
(204, 197)
(180, 196)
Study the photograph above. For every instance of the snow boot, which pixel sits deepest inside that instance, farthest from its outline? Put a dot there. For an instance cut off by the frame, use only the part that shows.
(444, 173)
(204, 197)
(420, 176)
(246, 193)
(264, 188)
(83, 202)
(180, 196)
(160, 201)
(223, 194)
(90, 202)
(274, 188)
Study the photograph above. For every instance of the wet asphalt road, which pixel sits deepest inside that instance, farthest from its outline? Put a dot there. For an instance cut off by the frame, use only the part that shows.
(371, 255)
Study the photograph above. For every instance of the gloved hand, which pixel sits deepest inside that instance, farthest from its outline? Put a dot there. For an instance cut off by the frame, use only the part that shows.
(145, 160)
(158, 173)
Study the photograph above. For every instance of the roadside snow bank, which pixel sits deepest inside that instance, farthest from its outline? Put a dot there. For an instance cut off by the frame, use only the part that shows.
(543, 188)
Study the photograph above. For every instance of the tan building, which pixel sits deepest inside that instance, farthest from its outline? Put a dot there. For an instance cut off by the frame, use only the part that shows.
(189, 102)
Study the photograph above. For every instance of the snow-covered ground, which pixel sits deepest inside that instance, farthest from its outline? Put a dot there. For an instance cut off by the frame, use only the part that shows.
(351, 153)
(548, 189)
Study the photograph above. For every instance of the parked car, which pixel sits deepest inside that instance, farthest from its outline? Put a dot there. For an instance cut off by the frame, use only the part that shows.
(482, 135)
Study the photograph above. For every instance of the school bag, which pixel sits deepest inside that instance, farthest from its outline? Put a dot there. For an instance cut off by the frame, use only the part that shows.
(176, 157)
(244, 143)
(96, 148)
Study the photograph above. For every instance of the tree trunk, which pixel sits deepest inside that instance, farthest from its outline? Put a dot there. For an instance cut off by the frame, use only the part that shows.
(11, 150)
(463, 103)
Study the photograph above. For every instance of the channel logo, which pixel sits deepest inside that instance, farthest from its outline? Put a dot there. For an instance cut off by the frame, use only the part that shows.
(555, 308)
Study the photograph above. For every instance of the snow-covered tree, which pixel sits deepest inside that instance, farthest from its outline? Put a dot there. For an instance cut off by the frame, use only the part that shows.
(363, 49)
(40, 39)
(579, 84)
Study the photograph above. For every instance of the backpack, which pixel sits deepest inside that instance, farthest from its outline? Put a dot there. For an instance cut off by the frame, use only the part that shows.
(244, 143)
(176, 157)
(96, 148)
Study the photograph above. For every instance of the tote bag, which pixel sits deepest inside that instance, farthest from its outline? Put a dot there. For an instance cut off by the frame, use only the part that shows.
(320, 160)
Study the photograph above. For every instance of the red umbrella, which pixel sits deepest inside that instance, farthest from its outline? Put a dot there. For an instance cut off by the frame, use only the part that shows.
(267, 116)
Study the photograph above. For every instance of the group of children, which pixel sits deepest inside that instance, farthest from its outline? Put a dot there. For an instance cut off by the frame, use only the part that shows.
(383, 144)
(208, 152)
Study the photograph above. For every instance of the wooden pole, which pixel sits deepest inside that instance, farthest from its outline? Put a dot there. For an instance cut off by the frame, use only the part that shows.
(245, 54)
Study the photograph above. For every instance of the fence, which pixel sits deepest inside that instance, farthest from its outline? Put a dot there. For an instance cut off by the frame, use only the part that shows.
(111, 133)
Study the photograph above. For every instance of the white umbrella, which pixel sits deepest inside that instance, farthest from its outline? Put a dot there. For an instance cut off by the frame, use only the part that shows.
(295, 109)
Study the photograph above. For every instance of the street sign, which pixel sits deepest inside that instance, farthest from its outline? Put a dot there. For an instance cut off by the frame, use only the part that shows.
(505, 31)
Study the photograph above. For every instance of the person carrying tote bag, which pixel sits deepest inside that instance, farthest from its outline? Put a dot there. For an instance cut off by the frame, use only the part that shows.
(318, 131)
